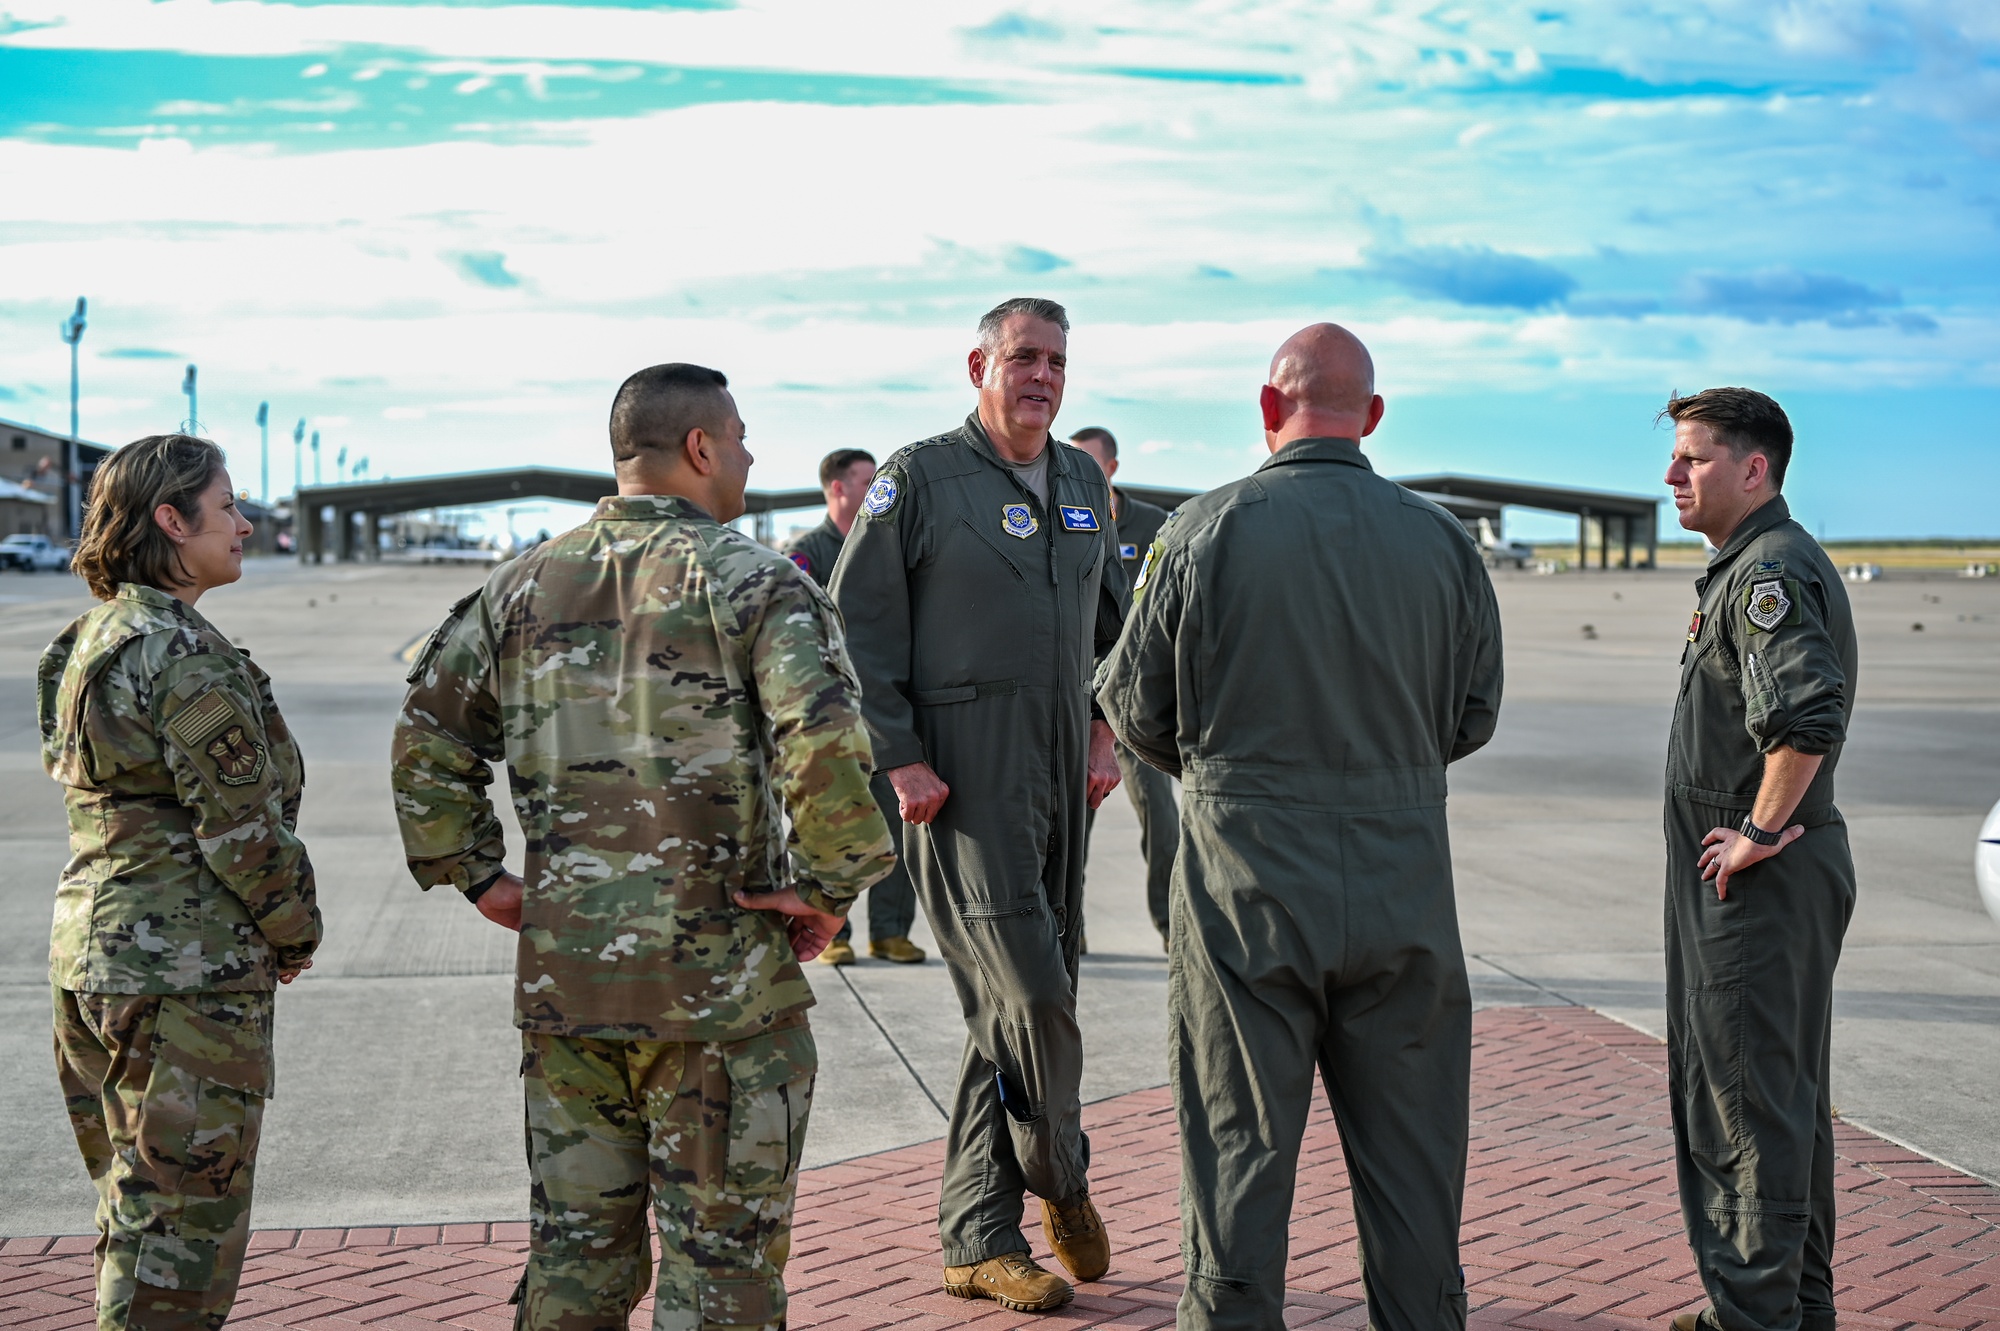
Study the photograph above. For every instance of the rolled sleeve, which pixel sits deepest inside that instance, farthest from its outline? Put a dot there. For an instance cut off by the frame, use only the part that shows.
(1794, 689)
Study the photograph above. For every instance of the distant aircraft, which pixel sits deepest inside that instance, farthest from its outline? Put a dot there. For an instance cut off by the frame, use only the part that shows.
(1498, 552)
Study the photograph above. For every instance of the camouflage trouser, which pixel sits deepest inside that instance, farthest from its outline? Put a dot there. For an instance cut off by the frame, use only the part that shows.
(166, 1096)
(712, 1131)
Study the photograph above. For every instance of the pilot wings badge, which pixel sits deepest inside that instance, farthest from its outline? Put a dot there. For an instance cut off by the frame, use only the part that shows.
(1768, 604)
(1018, 520)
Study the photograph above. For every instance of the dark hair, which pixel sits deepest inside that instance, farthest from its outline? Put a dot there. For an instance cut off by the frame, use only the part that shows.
(1033, 306)
(833, 467)
(1096, 434)
(121, 542)
(1744, 419)
(656, 407)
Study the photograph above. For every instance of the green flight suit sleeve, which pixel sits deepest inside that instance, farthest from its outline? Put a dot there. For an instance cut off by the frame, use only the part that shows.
(839, 843)
(1138, 684)
(213, 741)
(1114, 603)
(1480, 711)
(1794, 690)
(871, 585)
(439, 767)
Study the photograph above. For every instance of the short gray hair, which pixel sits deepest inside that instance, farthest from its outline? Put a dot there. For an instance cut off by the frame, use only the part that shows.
(1035, 307)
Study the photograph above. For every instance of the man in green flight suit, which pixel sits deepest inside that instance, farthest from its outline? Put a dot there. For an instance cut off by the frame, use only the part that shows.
(665, 693)
(1313, 916)
(1760, 880)
(979, 585)
(1151, 791)
(844, 477)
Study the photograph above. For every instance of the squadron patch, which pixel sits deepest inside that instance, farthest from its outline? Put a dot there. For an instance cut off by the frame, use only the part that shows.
(1077, 518)
(1768, 604)
(211, 728)
(882, 495)
(1128, 552)
(238, 759)
(1018, 520)
(800, 558)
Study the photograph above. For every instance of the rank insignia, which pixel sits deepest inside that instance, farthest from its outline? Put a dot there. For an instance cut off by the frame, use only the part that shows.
(1128, 552)
(1768, 604)
(238, 759)
(1694, 626)
(1018, 520)
(800, 558)
(1077, 518)
(881, 496)
(1770, 566)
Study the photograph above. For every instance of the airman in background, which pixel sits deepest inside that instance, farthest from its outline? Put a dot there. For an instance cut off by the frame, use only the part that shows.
(979, 586)
(844, 477)
(1135, 524)
(188, 897)
(1760, 880)
(664, 692)
(1314, 924)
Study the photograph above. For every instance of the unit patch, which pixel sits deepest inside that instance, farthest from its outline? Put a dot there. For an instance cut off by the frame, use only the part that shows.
(1768, 604)
(882, 495)
(238, 759)
(1076, 518)
(800, 558)
(1128, 552)
(1018, 520)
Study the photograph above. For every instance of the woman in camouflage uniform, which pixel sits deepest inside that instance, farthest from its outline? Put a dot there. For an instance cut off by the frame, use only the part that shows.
(187, 898)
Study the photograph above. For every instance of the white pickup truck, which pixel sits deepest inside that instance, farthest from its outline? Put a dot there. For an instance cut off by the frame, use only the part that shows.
(33, 554)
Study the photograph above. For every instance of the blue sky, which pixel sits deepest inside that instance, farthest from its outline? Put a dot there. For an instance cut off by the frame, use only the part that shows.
(442, 233)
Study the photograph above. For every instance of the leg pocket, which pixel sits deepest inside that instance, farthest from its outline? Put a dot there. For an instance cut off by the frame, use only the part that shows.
(770, 1094)
(1712, 1073)
(212, 1070)
(170, 1261)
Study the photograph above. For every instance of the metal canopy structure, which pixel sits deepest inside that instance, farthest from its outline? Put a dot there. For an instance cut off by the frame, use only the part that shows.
(1604, 519)
(345, 521)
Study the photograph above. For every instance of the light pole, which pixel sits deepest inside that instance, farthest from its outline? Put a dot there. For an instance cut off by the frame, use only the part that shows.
(298, 458)
(72, 333)
(315, 457)
(340, 466)
(187, 386)
(264, 451)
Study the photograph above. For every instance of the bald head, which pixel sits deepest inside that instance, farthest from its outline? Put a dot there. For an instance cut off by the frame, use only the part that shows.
(1322, 385)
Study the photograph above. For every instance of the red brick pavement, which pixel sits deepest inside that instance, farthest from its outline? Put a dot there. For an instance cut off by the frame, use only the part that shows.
(1570, 1223)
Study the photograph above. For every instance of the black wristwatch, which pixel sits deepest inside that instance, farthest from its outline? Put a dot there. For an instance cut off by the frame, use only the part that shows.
(1758, 834)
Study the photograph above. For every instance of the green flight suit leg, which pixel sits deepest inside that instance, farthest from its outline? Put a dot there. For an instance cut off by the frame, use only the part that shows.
(1014, 969)
(1749, 1018)
(1363, 978)
(1152, 794)
(892, 901)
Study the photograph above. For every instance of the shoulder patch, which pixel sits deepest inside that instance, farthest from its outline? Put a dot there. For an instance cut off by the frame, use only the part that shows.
(883, 495)
(221, 742)
(1771, 602)
(194, 723)
(801, 558)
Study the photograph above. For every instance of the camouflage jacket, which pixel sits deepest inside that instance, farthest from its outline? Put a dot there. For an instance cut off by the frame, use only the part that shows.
(183, 787)
(665, 692)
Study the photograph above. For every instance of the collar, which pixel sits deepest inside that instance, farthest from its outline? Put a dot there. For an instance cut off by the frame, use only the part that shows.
(1346, 451)
(982, 444)
(826, 526)
(649, 508)
(1767, 516)
(152, 596)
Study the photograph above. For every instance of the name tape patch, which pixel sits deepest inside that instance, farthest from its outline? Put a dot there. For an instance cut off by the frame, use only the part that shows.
(1077, 518)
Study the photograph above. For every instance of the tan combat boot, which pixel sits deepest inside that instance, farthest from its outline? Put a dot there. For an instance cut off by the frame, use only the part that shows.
(1077, 1236)
(1687, 1322)
(839, 952)
(1011, 1280)
(898, 949)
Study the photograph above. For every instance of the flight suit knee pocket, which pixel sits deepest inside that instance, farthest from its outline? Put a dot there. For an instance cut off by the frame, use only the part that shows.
(770, 1092)
(1712, 1069)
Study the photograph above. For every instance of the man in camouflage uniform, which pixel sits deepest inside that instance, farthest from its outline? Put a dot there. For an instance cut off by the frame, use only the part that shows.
(1134, 525)
(186, 900)
(664, 692)
(844, 477)
(1760, 880)
(980, 584)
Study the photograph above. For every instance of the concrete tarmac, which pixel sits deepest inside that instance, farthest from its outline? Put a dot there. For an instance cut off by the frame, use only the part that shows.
(398, 1095)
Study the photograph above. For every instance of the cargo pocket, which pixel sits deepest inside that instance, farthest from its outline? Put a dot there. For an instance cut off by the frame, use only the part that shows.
(742, 1302)
(211, 1075)
(168, 1261)
(1712, 1072)
(770, 1092)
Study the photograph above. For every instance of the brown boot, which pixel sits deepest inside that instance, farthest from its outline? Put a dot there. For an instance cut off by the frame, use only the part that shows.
(899, 950)
(1687, 1322)
(1077, 1236)
(1011, 1280)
